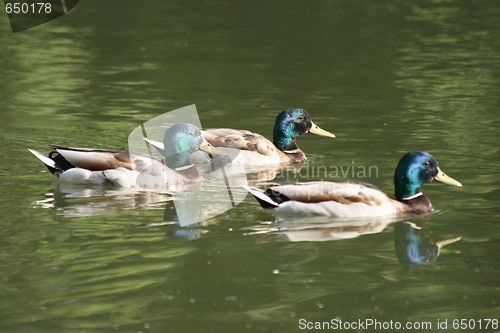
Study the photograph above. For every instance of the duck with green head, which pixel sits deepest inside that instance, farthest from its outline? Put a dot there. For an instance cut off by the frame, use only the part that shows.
(359, 199)
(97, 166)
(255, 149)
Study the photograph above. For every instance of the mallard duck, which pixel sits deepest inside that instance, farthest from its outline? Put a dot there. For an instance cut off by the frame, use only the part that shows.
(359, 199)
(97, 166)
(254, 149)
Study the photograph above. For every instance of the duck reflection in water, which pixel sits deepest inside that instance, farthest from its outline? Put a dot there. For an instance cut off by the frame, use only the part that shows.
(202, 200)
(294, 228)
(414, 251)
(411, 250)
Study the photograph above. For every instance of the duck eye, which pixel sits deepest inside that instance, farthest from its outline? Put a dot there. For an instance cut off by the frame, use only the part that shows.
(191, 133)
(427, 164)
(300, 118)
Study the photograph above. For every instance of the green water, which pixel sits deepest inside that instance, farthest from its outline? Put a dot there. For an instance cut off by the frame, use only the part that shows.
(386, 77)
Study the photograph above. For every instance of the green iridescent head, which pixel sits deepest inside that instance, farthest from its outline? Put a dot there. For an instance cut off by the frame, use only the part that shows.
(291, 123)
(415, 169)
(180, 141)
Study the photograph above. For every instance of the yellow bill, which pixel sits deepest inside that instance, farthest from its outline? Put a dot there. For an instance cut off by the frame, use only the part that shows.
(443, 178)
(321, 132)
(208, 148)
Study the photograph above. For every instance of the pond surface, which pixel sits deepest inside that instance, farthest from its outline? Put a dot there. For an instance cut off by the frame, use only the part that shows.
(387, 77)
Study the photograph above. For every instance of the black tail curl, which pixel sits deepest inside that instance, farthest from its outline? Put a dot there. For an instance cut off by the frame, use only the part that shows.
(62, 164)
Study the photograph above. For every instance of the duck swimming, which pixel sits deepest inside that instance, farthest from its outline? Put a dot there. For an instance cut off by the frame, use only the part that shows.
(106, 167)
(348, 199)
(255, 149)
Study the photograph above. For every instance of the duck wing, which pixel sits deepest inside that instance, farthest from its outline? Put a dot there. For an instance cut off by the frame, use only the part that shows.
(240, 139)
(100, 159)
(344, 193)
